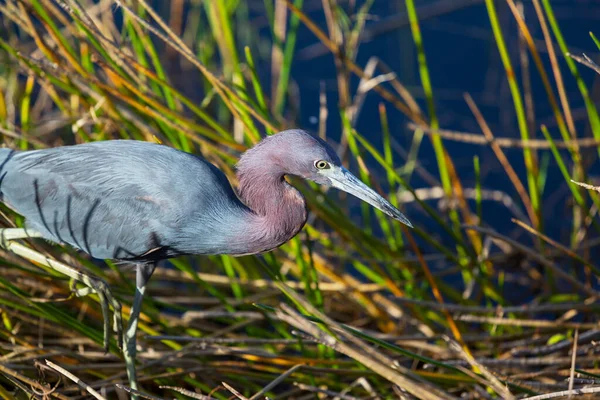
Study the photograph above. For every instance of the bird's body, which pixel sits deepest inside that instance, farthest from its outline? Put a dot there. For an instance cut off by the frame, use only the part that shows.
(144, 202)
(174, 204)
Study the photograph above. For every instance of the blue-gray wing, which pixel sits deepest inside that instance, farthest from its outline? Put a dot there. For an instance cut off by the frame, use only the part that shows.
(118, 199)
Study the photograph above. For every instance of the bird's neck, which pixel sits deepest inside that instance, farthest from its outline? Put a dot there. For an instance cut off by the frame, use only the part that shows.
(279, 210)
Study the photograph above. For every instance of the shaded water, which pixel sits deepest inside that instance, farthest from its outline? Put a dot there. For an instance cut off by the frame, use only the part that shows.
(462, 57)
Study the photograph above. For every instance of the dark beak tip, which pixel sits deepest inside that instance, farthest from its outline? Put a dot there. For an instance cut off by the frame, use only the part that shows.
(405, 221)
(397, 215)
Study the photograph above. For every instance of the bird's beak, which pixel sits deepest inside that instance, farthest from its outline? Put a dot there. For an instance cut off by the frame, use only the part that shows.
(343, 179)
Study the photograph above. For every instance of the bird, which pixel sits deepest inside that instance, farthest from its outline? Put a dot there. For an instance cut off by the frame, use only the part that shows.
(144, 202)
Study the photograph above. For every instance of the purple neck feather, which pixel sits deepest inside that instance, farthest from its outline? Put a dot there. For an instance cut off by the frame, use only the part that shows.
(279, 209)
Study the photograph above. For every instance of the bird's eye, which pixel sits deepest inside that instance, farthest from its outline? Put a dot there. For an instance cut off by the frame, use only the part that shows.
(321, 164)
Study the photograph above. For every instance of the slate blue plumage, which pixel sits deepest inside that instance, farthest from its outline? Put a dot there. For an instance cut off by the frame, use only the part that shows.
(131, 200)
(145, 202)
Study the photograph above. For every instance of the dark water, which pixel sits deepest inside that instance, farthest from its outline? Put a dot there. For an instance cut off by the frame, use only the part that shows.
(462, 57)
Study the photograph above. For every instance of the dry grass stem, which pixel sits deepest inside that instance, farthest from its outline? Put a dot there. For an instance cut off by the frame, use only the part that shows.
(75, 379)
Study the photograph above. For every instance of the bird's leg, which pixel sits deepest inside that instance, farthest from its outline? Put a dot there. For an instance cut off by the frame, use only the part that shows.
(97, 285)
(117, 316)
(143, 274)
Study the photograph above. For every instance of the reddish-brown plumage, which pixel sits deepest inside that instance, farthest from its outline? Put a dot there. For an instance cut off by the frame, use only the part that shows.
(280, 209)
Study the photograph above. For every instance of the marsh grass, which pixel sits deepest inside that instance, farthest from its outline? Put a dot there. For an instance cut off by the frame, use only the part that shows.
(350, 308)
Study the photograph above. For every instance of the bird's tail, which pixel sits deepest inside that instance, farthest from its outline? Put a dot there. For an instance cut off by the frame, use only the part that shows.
(5, 155)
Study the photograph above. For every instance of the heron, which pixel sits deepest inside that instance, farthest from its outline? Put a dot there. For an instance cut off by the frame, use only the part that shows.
(144, 202)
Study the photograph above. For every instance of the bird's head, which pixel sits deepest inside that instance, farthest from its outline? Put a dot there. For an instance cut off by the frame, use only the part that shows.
(296, 152)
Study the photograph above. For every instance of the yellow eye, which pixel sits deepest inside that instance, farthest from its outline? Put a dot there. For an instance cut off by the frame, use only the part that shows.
(321, 164)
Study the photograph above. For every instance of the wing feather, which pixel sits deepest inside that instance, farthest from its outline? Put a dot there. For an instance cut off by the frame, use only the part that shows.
(114, 199)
